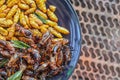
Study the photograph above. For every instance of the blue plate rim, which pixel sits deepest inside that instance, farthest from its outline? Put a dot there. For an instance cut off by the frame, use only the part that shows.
(80, 37)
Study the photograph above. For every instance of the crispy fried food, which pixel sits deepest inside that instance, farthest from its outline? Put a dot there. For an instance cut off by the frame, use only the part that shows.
(17, 16)
(54, 32)
(41, 5)
(32, 46)
(2, 2)
(11, 3)
(3, 31)
(61, 29)
(11, 31)
(2, 8)
(23, 20)
(12, 12)
(52, 8)
(40, 13)
(23, 6)
(52, 15)
(5, 22)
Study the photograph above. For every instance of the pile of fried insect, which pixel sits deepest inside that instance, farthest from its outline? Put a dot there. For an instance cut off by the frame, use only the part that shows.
(32, 46)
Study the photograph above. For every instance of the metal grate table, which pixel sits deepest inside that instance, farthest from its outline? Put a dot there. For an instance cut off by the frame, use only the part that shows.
(100, 53)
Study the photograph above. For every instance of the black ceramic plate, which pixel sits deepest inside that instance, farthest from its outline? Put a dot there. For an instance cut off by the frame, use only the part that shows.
(68, 18)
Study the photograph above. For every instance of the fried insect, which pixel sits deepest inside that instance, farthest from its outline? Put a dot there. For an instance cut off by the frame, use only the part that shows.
(3, 31)
(32, 5)
(2, 2)
(11, 31)
(6, 11)
(11, 3)
(52, 15)
(43, 28)
(61, 29)
(5, 22)
(36, 32)
(28, 78)
(2, 15)
(27, 21)
(31, 10)
(28, 1)
(12, 11)
(14, 38)
(38, 21)
(23, 6)
(17, 16)
(31, 41)
(33, 24)
(54, 32)
(13, 60)
(2, 8)
(40, 13)
(41, 5)
(23, 20)
(2, 37)
(23, 31)
(51, 23)
(52, 8)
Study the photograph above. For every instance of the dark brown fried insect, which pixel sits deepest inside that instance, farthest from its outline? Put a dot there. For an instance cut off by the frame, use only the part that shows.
(28, 78)
(24, 31)
(6, 45)
(13, 60)
(5, 53)
(42, 59)
(45, 38)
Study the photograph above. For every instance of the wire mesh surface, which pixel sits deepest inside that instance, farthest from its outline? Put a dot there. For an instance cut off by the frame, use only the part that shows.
(100, 53)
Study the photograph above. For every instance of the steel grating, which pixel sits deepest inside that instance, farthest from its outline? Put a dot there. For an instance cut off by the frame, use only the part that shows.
(100, 53)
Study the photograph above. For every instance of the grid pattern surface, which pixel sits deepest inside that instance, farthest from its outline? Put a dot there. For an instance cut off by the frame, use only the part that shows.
(100, 52)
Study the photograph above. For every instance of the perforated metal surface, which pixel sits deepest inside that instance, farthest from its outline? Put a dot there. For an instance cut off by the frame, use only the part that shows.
(100, 24)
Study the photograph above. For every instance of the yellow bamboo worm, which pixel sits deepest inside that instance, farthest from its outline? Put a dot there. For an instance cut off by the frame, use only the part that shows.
(29, 11)
(23, 6)
(23, 21)
(44, 25)
(61, 29)
(52, 8)
(2, 8)
(36, 32)
(51, 23)
(6, 11)
(3, 31)
(41, 5)
(16, 16)
(11, 31)
(43, 29)
(12, 3)
(34, 24)
(5, 22)
(27, 21)
(8, 1)
(52, 15)
(2, 37)
(54, 32)
(2, 2)
(12, 11)
(14, 38)
(40, 13)
(2, 15)
(38, 21)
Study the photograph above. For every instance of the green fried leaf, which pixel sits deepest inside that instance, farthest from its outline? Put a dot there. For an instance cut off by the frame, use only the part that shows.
(20, 44)
(16, 76)
(3, 62)
(70, 71)
(41, 18)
